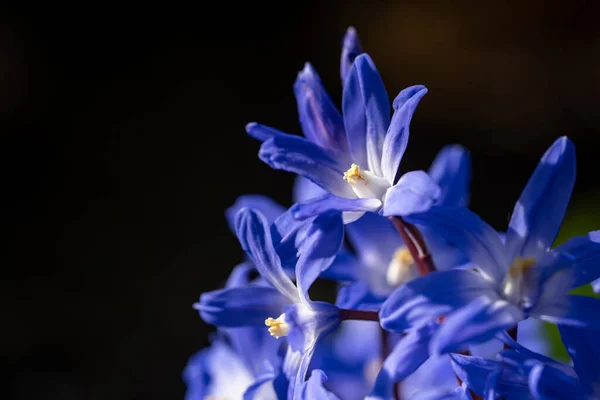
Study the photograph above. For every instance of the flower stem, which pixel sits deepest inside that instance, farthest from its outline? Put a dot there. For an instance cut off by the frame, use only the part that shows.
(415, 244)
(360, 315)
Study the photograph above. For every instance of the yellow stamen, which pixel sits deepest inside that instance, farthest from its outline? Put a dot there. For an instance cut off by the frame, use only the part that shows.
(353, 174)
(403, 256)
(278, 327)
(521, 266)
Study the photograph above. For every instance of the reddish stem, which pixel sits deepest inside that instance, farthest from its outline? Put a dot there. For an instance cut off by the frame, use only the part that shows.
(360, 315)
(415, 244)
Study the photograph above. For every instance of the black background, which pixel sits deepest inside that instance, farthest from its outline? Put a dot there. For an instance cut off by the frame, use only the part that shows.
(122, 143)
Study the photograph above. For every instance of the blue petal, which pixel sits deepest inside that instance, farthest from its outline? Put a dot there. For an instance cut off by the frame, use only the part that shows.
(476, 371)
(538, 214)
(344, 268)
(374, 239)
(321, 122)
(244, 306)
(366, 109)
(397, 135)
(350, 50)
(266, 376)
(475, 323)
(596, 286)
(357, 296)
(254, 346)
(240, 275)
(414, 193)
(263, 132)
(470, 234)
(329, 202)
(581, 255)
(491, 385)
(196, 375)
(307, 325)
(451, 169)
(407, 355)
(265, 205)
(583, 346)
(255, 237)
(313, 387)
(325, 167)
(431, 296)
(577, 311)
(458, 393)
(305, 190)
(549, 383)
(296, 366)
(321, 241)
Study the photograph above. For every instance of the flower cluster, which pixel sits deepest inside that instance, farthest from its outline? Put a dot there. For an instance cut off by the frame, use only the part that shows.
(431, 301)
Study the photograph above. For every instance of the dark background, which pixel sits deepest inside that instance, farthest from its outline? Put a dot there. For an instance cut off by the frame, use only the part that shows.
(122, 143)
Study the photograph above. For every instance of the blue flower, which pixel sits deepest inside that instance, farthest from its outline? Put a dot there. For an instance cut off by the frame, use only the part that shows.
(522, 373)
(383, 258)
(303, 321)
(513, 280)
(354, 157)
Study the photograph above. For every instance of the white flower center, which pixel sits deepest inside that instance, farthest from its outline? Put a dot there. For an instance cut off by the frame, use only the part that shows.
(277, 327)
(365, 184)
(402, 268)
(515, 283)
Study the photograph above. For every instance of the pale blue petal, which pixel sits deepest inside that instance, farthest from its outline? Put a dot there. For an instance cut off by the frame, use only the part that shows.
(576, 311)
(477, 322)
(414, 193)
(321, 241)
(350, 50)
(581, 256)
(254, 234)
(263, 204)
(240, 275)
(313, 388)
(451, 169)
(548, 383)
(357, 296)
(374, 239)
(345, 267)
(267, 375)
(263, 132)
(366, 108)
(583, 346)
(304, 190)
(431, 296)
(243, 306)
(307, 326)
(538, 214)
(471, 235)
(407, 355)
(458, 393)
(325, 167)
(491, 385)
(321, 121)
(329, 202)
(396, 138)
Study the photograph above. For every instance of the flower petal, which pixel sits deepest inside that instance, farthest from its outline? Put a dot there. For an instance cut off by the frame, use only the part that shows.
(491, 385)
(577, 311)
(263, 132)
(374, 240)
(366, 108)
(431, 296)
(538, 214)
(357, 296)
(350, 50)
(471, 235)
(414, 193)
(254, 234)
(325, 167)
(240, 275)
(344, 268)
(329, 202)
(459, 393)
(304, 190)
(584, 348)
(546, 382)
(407, 355)
(321, 241)
(475, 323)
(581, 256)
(397, 134)
(242, 306)
(321, 121)
(313, 388)
(296, 370)
(451, 169)
(265, 205)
